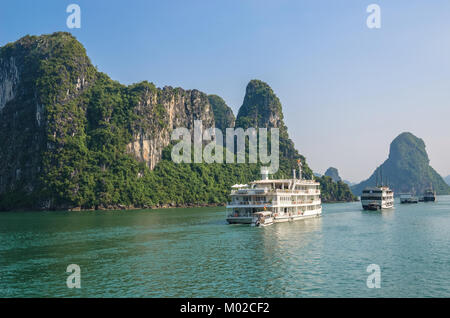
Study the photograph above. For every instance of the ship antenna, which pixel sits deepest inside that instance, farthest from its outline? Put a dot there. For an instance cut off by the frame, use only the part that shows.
(381, 175)
(299, 162)
(376, 178)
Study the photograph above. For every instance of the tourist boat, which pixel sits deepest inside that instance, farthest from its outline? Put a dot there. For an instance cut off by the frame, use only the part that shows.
(263, 218)
(283, 199)
(408, 198)
(377, 198)
(429, 196)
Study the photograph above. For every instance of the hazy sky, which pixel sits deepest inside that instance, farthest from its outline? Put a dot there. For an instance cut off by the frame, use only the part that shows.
(346, 90)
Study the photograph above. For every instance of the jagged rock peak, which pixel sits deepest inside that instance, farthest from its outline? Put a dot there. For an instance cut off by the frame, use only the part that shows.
(333, 173)
(407, 169)
(261, 107)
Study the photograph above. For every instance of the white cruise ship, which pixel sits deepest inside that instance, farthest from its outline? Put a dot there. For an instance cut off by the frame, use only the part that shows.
(281, 200)
(377, 198)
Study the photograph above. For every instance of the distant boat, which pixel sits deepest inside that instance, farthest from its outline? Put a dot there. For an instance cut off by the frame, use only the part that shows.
(429, 195)
(377, 198)
(408, 198)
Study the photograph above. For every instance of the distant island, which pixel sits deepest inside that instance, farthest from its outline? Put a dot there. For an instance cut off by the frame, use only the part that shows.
(333, 173)
(349, 183)
(407, 169)
(447, 179)
(74, 139)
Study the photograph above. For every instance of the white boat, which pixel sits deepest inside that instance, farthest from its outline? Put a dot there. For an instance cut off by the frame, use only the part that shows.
(263, 218)
(377, 198)
(284, 199)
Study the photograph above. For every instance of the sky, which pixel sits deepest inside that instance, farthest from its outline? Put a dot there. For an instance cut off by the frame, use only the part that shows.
(347, 91)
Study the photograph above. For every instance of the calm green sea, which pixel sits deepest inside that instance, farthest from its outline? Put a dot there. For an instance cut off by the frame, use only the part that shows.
(194, 253)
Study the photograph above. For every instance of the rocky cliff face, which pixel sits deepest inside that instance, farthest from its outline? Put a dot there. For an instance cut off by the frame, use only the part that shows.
(407, 169)
(9, 80)
(158, 113)
(27, 128)
(57, 112)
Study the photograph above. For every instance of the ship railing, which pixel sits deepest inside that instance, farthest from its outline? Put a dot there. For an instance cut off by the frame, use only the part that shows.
(254, 191)
(266, 191)
(299, 202)
(249, 203)
(239, 215)
(297, 191)
(303, 201)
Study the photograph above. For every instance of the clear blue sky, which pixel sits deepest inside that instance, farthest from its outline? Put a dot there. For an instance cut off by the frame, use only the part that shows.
(346, 90)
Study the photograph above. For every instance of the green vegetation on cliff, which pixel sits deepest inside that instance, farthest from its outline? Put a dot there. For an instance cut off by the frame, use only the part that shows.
(223, 115)
(333, 191)
(65, 132)
(262, 108)
(407, 169)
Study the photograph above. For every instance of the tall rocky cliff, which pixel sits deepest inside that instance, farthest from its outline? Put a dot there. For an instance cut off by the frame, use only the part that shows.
(52, 101)
(407, 169)
(36, 83)
(72, 138)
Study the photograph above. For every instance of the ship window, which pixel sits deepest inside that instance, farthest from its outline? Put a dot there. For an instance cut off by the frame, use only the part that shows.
(370, 198)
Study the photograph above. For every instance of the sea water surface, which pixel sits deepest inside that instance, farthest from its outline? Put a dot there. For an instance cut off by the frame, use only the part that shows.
(194, 253)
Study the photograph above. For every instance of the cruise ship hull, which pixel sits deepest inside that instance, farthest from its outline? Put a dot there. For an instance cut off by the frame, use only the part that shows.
(277, 218)
(373, 207)
(239, 220)
(377, 208)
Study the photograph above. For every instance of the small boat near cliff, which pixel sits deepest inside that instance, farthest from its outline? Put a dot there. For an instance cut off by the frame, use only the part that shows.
(429, 195)
(406, 198)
